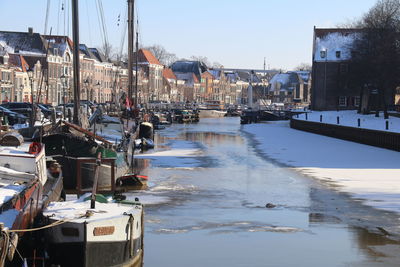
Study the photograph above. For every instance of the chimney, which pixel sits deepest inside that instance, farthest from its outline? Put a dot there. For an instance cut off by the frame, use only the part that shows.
(30, 31)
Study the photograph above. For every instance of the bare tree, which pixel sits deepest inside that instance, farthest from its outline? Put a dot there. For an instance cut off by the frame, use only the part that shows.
(217, 65)
(162, 54)
(201, 59)
(375, 64)
(107, 51)
(303, 67)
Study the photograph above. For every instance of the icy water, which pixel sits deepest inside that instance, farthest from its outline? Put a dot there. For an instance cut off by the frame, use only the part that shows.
(206, 206)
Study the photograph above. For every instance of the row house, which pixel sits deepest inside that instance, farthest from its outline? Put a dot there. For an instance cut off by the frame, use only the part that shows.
(27, 50)
(290, 88)
(152, 71)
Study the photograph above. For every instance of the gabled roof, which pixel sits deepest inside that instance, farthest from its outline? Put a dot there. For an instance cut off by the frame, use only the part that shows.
(145, 55)
(286, 81)
(87, 52)
(59, 39)
(216, 74)
(22, 42)
(169, 74)
(334, 44)
(32, 60)
(18, 61)
(187, 66)
(98, 56)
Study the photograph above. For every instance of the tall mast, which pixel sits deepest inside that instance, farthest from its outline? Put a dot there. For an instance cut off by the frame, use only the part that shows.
(130, 48)
(136, 67)
(75, 36)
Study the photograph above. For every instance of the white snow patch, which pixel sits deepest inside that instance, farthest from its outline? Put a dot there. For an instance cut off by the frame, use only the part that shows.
(171, 153)
(332, 43)
(350, 118)
(365, 172)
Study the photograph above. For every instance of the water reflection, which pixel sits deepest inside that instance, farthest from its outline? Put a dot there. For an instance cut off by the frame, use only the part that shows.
(210, 209)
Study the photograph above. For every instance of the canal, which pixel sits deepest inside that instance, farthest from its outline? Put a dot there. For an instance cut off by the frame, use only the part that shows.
(206, 206)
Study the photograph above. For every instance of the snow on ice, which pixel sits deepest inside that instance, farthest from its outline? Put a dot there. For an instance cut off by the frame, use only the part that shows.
(365, 172)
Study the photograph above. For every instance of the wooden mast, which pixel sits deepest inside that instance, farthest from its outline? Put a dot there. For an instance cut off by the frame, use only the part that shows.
(75, 36)
(136, 67)
(130, 48)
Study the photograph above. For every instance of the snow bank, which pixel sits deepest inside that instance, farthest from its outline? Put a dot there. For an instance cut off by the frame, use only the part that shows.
(365, 172)
(350, 118)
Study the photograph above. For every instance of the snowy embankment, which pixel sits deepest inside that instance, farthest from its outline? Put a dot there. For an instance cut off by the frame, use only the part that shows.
(365, 172)
(350, 118)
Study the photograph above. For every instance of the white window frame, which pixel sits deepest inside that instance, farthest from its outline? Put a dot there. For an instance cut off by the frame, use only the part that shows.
(342, 101)
(357, 101)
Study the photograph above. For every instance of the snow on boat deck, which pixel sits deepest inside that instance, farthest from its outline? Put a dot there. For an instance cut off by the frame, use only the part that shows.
(76, 209)
(365, 172)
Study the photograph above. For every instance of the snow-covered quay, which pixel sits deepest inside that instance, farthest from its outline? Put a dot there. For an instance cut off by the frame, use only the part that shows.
(350, 118)
(364, 172)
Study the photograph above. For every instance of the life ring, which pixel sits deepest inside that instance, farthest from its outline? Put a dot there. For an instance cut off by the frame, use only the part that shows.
(35, 148)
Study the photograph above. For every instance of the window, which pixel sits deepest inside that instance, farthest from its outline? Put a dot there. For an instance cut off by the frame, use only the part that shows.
(338, 54)
(357, 101)
(342, 101)
(323, 53)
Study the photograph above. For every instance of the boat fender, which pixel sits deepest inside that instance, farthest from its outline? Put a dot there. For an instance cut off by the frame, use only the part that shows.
(35, 148)
(12, 246)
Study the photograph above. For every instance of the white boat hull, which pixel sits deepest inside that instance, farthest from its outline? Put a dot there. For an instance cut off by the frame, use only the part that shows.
(212, 113)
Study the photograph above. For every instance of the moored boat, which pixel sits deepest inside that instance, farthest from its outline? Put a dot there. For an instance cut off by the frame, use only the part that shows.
(25, 189)
(108, 235)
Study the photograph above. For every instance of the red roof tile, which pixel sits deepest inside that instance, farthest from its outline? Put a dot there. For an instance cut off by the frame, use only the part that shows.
(169, 74)
(146, 56)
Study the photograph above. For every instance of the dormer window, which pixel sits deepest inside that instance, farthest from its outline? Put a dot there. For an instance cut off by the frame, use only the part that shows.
(323, 53)
(338, 54)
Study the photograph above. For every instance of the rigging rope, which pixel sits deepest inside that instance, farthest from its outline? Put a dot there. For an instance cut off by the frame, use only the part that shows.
(123, 32)
(58, 17)
(88, 18)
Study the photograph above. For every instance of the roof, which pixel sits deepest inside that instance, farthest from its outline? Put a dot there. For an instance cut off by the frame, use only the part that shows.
(187, 66)
(323, 32)
(59, 39)
(189, 77)
(334, 44)
(18, 61)
(87, 52)
(32, 60)
(168, 74)
(304, 75)
(285, 81)
(98, 56)
(145, 55)
(22, 42)
(216, 74)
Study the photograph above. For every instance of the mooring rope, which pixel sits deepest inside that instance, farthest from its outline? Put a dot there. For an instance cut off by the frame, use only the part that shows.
(56, 223)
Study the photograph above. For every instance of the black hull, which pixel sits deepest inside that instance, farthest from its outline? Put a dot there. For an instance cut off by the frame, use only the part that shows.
(111, 254)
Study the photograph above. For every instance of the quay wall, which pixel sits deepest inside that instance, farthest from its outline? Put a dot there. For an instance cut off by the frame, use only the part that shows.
(388, 140)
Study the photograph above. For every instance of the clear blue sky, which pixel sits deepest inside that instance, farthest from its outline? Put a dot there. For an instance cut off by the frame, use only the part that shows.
(235, 33)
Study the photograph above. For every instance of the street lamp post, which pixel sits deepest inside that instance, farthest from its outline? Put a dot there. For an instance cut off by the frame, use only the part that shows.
(86, 82)
(21, 92)
(98, 91)
(63, 84)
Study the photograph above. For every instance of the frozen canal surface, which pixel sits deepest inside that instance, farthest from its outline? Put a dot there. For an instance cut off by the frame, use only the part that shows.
(206, 207)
